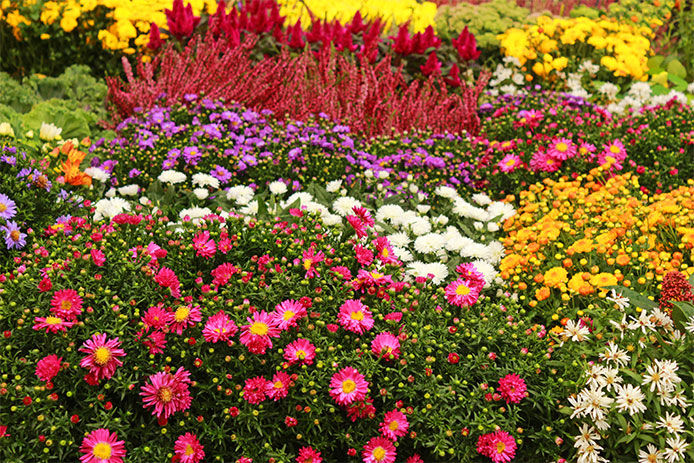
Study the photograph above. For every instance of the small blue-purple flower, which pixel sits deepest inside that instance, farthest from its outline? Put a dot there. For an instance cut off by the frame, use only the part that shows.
(8, 208)
(14, 238)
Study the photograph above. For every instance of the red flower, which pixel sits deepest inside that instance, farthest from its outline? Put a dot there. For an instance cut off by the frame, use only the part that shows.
(181, 21)
(453, 358)
(27, 400)
(466, 45)
(155, 41)
(45, 285)
(290, 422)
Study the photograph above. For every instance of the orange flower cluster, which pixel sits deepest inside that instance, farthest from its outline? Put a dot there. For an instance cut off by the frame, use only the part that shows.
(70, 168)
(575, 237)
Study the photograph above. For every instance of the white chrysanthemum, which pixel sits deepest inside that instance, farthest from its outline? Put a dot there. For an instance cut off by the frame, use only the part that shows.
(344, 205)
(608, 89)
(97, 174)
(302, 196)
(201, 193)
(108, 208)
(277, 188)
(475, 250)
(589, 67)
(419, 225)
(6, 129)
(429, 243)
(389, 212)
(512, 61)
(423, 208)
(399, 239)
(384, 174)
(250, 209)
(501, 210)
(420, 269)
(481, 199)
(486, 269)
(640, 90)
(441, 219)
(205, 180)
(478, 225)
(172, 177)
(403, 254)
(49, 132)
(332, 219)
(194, 213)
(496, 252)
(465, 209)
(145, 201)
(312, 206)
(333, 186)
(446, 192)
(405, 218)
(110, 193)
(241, 194)
(129, 190)
(508, 89)
(630, 398)
(455, 241)
(493, 227)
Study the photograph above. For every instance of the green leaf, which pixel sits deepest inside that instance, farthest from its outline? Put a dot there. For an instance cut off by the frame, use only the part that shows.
(676, 68)
(635, 298)
(680, 83)
(655, 63)
(681, 313)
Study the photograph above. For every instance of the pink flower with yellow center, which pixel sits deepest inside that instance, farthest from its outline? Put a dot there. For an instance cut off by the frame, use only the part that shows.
(379, 450)
(300, 351)
(188, 448)
(219, 327)
(394, 425)
(288, 312)
(512, 388)
(66, 304)
(102, 446)
(500, 446)
(308, 455)
(562, 149)
(386, 345)
(278, 388)
(462, 293)
(51, 324)
(256, 335)
(167, 393)
(102, 356)
(184, 316)
(355, 316)
(254, 390)
(347, 386)
(509, 163)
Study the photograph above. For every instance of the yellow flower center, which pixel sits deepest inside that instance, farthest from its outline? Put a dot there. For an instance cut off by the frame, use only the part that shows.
(376, 275)
(385, 252)
(357, 315)
(561, 147)
(510, 162)
(500, 447)
(3, 207)
(550, 162)
(259, 329)
(348, 386)
(53, 320)
(165, 394)
(102, 355)
(278, 385)
(379, 453)
(287, 315)
(189, 450)
(307, 264)
(181, 313)
(300, 354)
(102, 451)
(14, 234)
(393, 425)
(615, 149)
(65, 305)
(462, 290)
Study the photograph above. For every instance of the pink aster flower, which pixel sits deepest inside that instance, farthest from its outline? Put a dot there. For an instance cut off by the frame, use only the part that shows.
(531, 118)
(102, 446)
(394, 425)
(223, 273)
(613, 154)
(462, 293)
(102, 356)
(308, 455)
(219, 327)
(384, 251)
(385, 345)
(51, 324)
(184, 317)
(278, 388)
(204, 245)
(166, 278)
(66, 304)
(157, 317)
(500, 446)
(355, 316)
(48, 367)
(364, 216)
(358, 225)
(469, 272)
(543, 162)
(512, 388)
(256, 335)
(342, 271)
(509, 163)
(364, 255)
(288, 312)
(300, 351)
(310, 259)
(167, 393)
(379, 450)
(98, 257)
(561, 149)
(188, 448)
(347, 386)
(586, 150)
(254, 390)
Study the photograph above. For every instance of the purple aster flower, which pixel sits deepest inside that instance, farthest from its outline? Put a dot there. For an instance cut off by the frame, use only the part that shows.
(191, 154)
(11, 160)
(14, 238)
(221, 174)
(8, 208)
(134, 173)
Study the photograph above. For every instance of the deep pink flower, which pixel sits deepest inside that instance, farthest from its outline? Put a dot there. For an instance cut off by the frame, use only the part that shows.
(102, 446)
(98, 257)
(278, 388)
(256, 335)
(66, 304)
(355, 316)
(562, 149)
(500, 446)
(102, 356)
(543, 162)
(308, 455)
(300, 351)
(384, 251)
(461, 293)
(386, 345)
(184, 317)
(512, 388)
(379, 450)
(469, 272)
(358, 225)
(288, 312)
(188, 448)
(394, 425)
(364, 216)
(51, 324)
(254, 390)
(204, 245)
(310, 259)
(466, 45)
(223, 273)
(168, 279)
(167, 393)
(48, 367)
(347, 386)
(364, 256)
(219, 327)
(157, 317)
